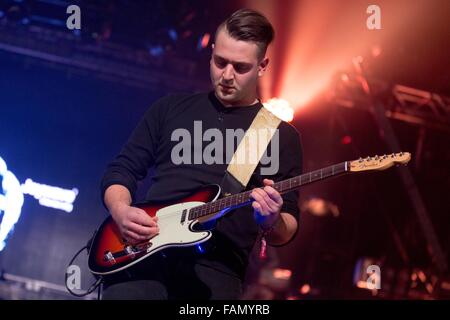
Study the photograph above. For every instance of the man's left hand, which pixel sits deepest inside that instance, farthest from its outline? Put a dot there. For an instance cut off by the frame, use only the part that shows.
(267, 204)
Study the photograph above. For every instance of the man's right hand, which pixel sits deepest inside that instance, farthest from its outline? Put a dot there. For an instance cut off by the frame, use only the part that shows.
(135, 225)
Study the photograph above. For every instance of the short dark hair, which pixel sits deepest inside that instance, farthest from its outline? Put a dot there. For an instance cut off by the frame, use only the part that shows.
(249, 25)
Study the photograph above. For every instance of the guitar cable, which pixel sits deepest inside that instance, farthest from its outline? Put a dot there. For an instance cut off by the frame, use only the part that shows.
(96, 284)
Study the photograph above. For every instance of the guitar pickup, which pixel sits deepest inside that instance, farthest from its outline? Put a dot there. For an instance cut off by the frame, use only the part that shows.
(109, 257)
(183, 216)
(129, 251)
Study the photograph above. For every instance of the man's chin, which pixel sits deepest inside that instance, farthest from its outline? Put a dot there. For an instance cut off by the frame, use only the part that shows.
(228, 97)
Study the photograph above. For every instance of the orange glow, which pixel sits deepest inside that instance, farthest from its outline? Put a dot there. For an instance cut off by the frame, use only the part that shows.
(344, 77)
(284, 274)
(305, 289)
(376, 51)
(316, 39)
(205, 40)
(361, 284)
(422, 276)
(281, 108)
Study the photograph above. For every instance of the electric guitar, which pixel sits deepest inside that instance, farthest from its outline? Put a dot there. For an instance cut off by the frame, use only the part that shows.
(177, 221)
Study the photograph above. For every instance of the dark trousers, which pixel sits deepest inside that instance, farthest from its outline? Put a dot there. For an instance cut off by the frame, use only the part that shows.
(177, 275)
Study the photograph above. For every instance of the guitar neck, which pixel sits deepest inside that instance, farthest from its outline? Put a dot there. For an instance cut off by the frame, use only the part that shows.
(243, 198)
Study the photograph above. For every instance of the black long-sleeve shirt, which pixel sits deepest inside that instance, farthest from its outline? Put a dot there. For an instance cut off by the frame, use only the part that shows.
(151, 145)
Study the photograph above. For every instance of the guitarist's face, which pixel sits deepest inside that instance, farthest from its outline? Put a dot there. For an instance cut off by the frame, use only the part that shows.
(235, 68)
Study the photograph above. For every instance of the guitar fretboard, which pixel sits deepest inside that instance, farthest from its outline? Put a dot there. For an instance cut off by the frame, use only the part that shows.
(243, 198)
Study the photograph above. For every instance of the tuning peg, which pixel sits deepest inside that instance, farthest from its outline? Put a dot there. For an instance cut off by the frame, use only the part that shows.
(360, 159)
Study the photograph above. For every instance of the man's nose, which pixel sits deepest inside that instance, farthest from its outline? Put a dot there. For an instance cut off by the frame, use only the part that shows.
(228, 73)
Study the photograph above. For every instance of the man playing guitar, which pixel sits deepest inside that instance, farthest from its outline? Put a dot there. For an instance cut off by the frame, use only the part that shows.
(238, 60)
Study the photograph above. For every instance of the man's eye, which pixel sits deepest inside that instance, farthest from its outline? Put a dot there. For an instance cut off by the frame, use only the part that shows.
(241, 68)
(220, 63)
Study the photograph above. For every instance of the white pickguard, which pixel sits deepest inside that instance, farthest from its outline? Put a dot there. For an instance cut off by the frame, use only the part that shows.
(174, 233)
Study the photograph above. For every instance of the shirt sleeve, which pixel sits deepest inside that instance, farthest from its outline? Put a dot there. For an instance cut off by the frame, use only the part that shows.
(138, 154)
(290, 165)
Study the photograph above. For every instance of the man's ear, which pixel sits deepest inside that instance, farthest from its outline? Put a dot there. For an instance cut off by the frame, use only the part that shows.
(263, 66)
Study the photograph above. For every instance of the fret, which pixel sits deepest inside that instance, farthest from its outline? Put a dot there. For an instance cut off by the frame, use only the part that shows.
(202, 211)
(205, 210)
(234, 200)
(244, 197)
(197, 212)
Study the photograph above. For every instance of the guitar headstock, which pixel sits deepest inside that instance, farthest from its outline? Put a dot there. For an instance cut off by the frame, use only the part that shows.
(379, 162)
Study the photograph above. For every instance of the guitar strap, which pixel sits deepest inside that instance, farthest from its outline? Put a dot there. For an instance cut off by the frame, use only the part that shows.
(247, 156)
(249, 152)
